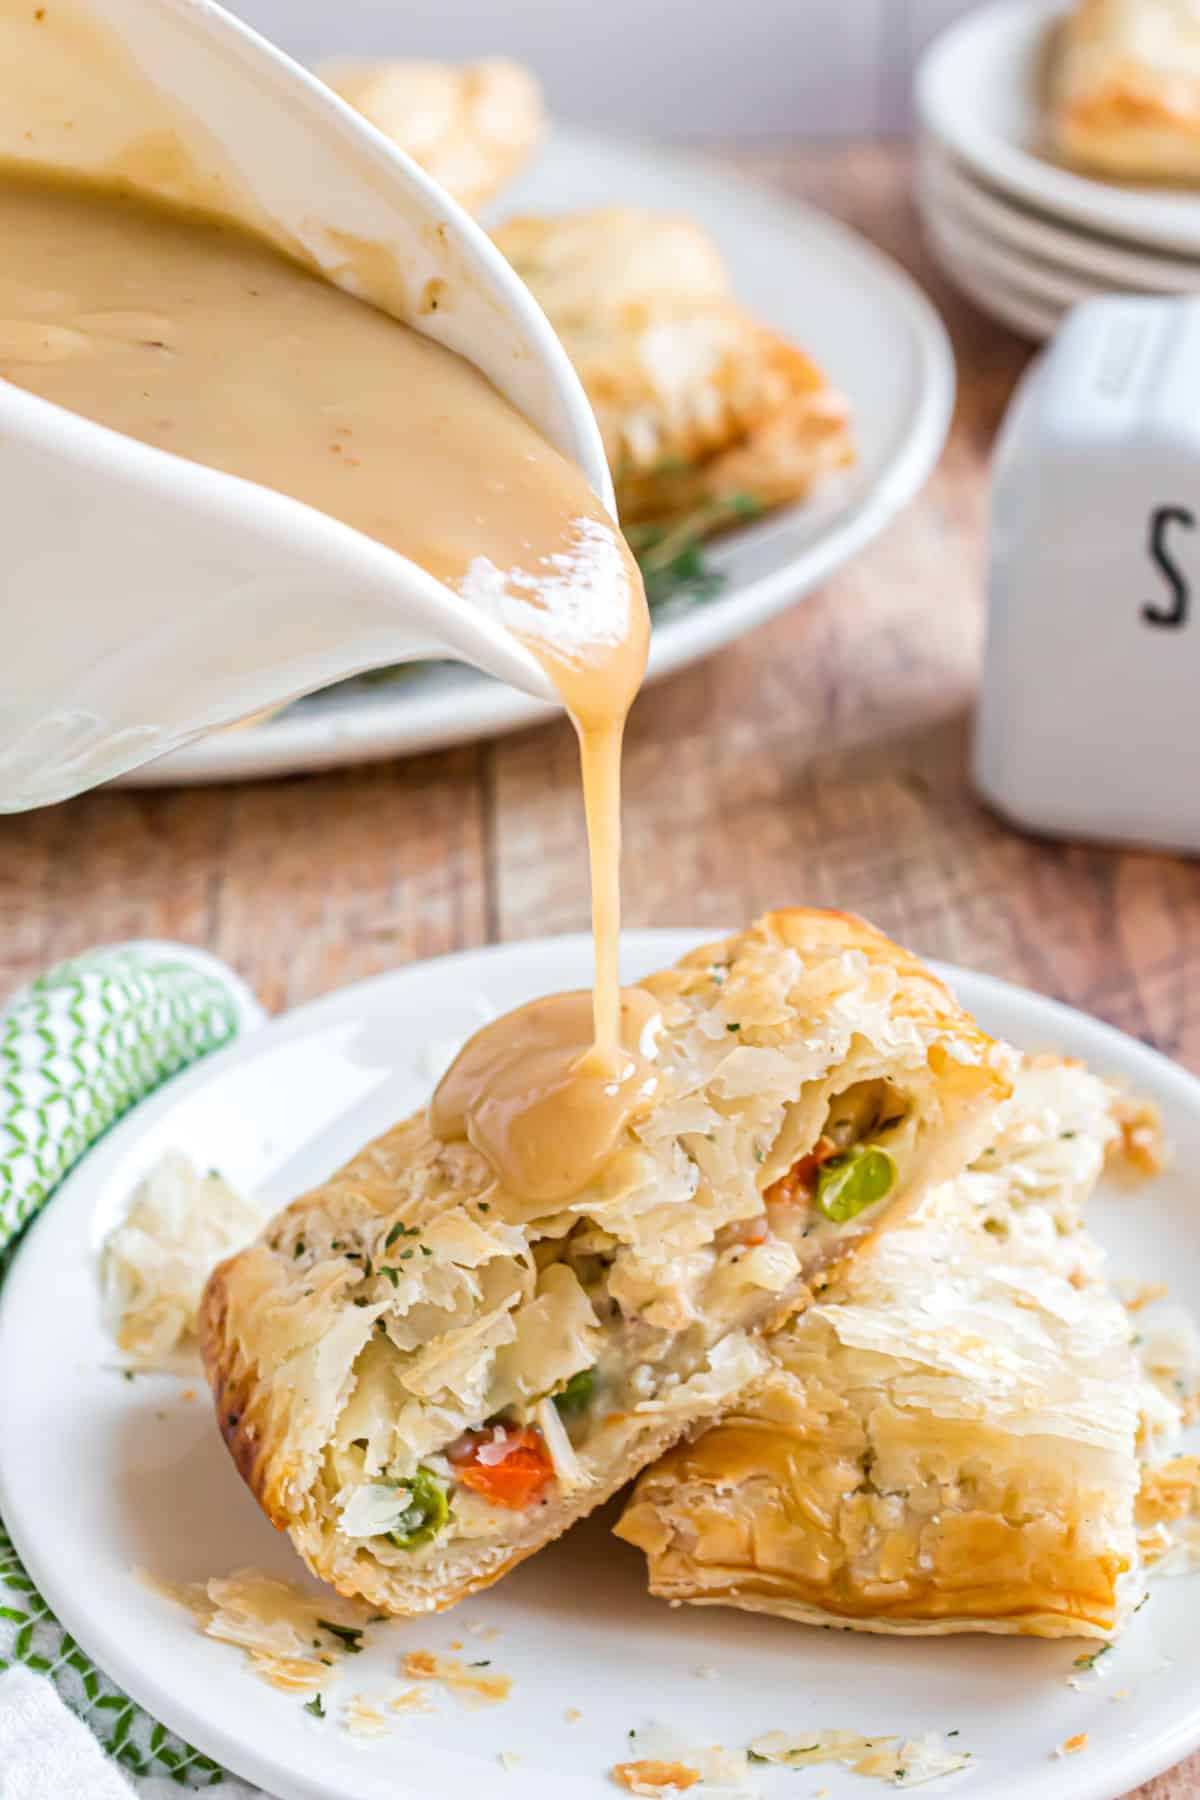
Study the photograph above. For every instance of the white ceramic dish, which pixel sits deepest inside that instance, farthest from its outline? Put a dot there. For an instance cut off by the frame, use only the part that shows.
(991, 261)
(208, 600)
(1010, 306)
(864, 320)
(980, 90)
(99, 1476)
(949, 188)
(1003, 298)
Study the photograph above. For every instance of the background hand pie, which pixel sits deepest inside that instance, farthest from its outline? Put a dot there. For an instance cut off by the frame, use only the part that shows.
(707, 415)
(425, 1375)
(472, 127)
(1126, 89)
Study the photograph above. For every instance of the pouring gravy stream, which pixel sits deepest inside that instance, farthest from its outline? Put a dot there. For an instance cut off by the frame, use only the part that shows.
(192, 335)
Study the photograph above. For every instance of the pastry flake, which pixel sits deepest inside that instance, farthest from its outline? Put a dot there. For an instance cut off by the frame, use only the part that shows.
(156, 1260)
(287, 1635)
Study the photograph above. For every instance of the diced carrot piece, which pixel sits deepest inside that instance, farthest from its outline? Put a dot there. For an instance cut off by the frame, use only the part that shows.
(518, 1478)
(800, 1182)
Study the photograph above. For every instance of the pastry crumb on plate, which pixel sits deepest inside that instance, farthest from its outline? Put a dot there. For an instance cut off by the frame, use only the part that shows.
(363, 1716)
(457, 1676)
(293, 1639)
(154, 1263)
(413, 1699)
(654, 1778)
(1139, 1148)
(905, 1763)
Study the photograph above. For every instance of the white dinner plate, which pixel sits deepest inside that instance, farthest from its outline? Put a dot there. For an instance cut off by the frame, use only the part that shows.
(99, 1476)
(981, 90)
(950, 188)
(867, 324)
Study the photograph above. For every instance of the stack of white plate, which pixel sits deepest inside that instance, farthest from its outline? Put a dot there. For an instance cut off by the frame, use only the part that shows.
(1024, 237)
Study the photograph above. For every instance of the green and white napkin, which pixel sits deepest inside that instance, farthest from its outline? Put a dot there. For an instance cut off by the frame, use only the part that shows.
(78, 1048)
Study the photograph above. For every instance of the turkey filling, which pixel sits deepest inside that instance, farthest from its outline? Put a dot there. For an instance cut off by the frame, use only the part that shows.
(498, 1376)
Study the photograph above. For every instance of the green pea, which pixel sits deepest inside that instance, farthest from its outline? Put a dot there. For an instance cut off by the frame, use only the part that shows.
(427, 1511)
(576, 1397)
(849, 1183)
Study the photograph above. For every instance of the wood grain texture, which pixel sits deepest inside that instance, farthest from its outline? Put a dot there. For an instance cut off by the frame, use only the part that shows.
(821, 760)
(302, 885)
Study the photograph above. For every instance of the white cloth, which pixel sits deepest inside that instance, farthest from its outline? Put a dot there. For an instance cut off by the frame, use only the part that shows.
(46, 1753)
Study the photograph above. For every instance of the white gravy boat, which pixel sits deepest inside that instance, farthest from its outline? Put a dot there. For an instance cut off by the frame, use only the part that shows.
(145, 600)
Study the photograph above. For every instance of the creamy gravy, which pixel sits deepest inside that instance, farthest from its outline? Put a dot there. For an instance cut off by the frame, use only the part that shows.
(192, 335)
(544, 1112)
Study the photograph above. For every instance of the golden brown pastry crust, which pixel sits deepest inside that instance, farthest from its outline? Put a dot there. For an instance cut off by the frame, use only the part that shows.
(924, 998)
(948, 1441)
(1125, 98)
(978, 1570)
(285, 1324)
(706, 414)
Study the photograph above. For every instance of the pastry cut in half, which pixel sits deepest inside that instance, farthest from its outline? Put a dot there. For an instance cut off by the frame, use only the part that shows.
(1125, 89)
(708, 416)
(424, 1377)
(948, 1440)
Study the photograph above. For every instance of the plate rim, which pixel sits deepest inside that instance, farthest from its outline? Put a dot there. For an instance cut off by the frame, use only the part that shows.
(947, 185)
(370, 734)
(963, 239)
(1032, 319)
(1116, 210)
(1060, 1781)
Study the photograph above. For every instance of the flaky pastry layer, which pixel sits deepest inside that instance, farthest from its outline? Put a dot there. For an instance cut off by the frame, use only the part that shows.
(410, 1305)
(948, 1440)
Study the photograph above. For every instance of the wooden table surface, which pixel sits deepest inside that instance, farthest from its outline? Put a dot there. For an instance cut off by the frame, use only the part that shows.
(823, 759)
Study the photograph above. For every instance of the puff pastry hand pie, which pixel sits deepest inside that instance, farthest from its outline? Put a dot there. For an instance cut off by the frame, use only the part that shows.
(473, 128)
(1125, 98)
(948, 1439)
(705, 413)
(423, 1377)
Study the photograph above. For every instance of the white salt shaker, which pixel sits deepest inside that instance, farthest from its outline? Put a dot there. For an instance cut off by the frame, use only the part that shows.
(1089, 714)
